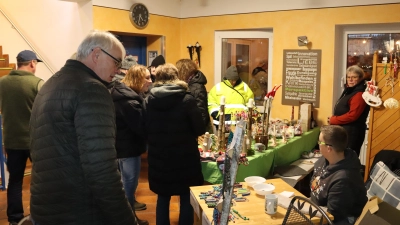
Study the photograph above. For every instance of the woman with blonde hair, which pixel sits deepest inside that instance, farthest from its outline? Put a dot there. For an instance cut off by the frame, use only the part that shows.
(173, 123)
(190, 73)
(130, 142)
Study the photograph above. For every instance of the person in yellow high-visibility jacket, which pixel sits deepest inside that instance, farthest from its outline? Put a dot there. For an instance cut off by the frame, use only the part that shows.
(237, 94)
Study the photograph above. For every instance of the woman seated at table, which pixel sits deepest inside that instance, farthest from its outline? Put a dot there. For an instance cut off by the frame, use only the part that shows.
(337, 182)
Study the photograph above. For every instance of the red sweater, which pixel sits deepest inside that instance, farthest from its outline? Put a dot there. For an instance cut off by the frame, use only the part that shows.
(357, 105)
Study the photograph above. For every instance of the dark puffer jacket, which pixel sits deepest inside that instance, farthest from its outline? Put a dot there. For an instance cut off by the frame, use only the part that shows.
(75, 180)
(173, 124)
(129, 112)
(199, 92)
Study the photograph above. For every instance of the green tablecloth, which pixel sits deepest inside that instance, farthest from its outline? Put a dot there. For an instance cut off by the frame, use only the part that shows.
(291, 151)
(261, 164)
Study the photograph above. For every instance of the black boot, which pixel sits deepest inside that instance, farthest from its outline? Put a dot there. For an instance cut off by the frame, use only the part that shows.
(141, 222)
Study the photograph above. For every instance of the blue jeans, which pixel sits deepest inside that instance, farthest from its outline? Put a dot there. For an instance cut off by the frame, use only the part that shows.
(130, 171)
(16, 163)
(186, 214)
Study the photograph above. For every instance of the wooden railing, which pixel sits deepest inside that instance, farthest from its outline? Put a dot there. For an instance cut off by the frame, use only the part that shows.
(2, 71)
(5, 65)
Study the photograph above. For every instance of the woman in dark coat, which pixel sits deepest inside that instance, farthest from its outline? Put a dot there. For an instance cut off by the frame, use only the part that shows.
(173, 123)
(131, 140)
(351, 111)
(190, 73)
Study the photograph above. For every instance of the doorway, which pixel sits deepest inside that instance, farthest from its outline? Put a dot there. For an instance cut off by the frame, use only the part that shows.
(244, 49)
(358, 34)
(349, 33)
(142, 47)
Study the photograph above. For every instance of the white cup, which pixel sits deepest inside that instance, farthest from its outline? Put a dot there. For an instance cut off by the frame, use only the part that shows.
(271, 203)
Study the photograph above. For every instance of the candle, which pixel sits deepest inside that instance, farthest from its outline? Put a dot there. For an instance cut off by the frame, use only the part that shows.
(250, 104)
(222, 100)
(292, 116)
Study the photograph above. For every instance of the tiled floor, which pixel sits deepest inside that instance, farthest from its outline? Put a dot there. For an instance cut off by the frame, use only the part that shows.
(143, 194)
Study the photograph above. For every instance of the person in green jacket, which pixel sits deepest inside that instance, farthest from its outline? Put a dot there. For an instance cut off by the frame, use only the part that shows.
(237, 94)
(17, 93)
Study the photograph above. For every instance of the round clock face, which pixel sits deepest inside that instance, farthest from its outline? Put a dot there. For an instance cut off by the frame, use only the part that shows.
(139, 15)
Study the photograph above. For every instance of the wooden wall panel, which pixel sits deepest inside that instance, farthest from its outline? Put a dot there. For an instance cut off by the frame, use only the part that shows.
(384, 124)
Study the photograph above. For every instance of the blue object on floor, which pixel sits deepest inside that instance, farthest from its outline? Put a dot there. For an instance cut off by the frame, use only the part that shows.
(2, 159)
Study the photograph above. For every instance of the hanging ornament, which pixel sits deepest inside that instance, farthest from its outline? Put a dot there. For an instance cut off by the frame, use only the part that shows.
(371, 96)
(391, 103)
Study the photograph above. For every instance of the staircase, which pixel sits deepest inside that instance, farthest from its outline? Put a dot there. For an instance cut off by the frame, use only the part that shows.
(5, 65)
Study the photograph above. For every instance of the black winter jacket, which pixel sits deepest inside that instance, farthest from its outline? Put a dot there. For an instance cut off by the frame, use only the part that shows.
(129, 112)
(75, 180)
(198, 90)
(356, 129)
(173, 124)
(339, 187)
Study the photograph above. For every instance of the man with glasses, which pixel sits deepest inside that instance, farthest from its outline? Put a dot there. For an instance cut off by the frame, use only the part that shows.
(75, 179)
(337, 183)
(17, 93)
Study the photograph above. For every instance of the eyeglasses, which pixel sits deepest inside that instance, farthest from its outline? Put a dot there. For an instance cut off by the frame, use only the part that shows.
(118, 62)
(323, 143)
(352, 78)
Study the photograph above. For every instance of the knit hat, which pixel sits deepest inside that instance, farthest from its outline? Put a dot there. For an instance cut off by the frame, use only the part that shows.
(128, 62)
(232, 73)
(157, 61)
(26, 56)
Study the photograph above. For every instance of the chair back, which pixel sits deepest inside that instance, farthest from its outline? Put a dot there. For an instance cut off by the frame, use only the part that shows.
(26, 221)
(296, 212)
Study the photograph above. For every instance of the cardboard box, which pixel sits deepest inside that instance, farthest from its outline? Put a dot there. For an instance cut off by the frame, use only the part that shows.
(376, 211)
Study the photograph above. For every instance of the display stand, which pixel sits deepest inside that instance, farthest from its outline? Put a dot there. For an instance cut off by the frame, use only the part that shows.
(384, 123)
(230, 171)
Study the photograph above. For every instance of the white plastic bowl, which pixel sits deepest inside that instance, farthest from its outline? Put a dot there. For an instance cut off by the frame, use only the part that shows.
(264, 189)
(253, 180)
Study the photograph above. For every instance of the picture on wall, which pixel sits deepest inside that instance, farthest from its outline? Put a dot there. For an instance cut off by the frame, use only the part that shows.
(152, 56)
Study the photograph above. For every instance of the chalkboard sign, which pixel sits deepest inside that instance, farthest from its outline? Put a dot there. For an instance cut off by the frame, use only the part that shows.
(301, 77)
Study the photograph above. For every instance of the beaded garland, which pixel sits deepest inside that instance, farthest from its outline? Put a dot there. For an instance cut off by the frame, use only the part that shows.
(213, 196)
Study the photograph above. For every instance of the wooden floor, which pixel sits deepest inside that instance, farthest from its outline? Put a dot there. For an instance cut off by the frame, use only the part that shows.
(143, 194)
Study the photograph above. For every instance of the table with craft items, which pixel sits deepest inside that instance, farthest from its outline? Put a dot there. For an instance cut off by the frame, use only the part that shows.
(253, 208)
(262, 163)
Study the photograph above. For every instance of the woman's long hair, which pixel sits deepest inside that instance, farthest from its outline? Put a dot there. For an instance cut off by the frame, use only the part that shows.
(135, 78)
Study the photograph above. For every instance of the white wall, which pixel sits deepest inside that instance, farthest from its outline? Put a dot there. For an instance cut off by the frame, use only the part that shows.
(54, 28)
(159, 7)
(196, 8)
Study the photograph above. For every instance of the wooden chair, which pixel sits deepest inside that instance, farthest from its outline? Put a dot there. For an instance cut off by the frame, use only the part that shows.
(294, 214)
(26, 221)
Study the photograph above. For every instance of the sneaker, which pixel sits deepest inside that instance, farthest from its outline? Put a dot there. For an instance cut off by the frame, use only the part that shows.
(139, 206)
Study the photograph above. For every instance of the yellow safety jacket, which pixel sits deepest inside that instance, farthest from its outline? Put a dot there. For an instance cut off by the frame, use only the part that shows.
(236, 99)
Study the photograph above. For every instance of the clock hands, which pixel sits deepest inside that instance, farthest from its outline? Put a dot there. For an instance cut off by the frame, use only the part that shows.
(139, 15)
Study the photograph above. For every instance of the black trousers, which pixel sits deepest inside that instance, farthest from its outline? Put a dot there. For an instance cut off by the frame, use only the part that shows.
(16, 163)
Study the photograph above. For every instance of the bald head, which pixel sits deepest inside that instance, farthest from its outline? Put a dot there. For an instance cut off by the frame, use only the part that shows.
(262, 62)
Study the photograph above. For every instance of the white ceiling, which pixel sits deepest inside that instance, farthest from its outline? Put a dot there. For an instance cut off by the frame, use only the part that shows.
(198, 8)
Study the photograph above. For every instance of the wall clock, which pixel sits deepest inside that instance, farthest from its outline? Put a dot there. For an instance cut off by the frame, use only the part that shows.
(139, 15)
